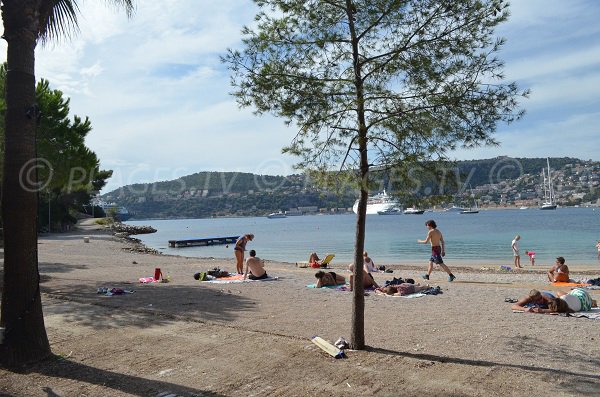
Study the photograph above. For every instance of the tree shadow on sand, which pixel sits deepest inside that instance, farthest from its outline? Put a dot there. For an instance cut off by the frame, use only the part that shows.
(57, 367)
(153, 304)
(579, 383)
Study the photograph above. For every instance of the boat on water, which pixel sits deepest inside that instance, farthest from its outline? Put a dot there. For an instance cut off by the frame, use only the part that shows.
(524, 208)
(118, 212)
(549, 198)
(471, 210)
(391, 211)
(275, 215)
(379, 202)
(455, 208)
(413, 211)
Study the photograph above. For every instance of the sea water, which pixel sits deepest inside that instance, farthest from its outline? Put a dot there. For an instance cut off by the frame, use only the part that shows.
(470, 238)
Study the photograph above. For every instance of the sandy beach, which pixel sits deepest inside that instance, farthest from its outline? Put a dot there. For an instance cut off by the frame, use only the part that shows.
(191, 338)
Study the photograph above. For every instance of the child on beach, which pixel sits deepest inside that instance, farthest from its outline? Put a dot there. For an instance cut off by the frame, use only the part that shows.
(531, 255)
(438, 251)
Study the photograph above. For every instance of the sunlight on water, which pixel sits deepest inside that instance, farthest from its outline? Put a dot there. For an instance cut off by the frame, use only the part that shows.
(486, 236)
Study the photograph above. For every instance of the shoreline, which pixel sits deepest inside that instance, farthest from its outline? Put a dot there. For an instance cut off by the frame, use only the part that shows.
(177, 337)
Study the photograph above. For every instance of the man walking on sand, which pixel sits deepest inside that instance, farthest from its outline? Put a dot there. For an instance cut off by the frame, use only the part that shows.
(438, 251)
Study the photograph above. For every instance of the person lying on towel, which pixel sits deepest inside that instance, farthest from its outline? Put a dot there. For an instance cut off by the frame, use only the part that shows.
(329, 279)
(256, 267)
(535, 298)
(403, 289)
(576, 300)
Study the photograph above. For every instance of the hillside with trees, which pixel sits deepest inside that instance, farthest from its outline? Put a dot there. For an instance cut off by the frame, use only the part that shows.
(501, 181)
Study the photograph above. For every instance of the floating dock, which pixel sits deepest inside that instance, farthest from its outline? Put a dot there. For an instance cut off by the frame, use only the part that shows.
(192, 242)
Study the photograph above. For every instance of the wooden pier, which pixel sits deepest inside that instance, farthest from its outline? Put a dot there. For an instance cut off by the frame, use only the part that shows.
(193, 242)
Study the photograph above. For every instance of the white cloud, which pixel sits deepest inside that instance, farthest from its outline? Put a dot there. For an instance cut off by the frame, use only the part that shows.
(157, 94)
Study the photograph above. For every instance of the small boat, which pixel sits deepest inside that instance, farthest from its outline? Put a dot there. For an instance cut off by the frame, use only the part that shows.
(275, 215)
(524, 208)
(454, 208)
(390, 211)
(413, 211)
(471, 210)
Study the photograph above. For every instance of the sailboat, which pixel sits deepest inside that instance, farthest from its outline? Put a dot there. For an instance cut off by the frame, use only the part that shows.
(471, 210)
(549, 199)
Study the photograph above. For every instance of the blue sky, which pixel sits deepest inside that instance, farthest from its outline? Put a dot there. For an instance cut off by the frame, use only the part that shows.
(158, 96)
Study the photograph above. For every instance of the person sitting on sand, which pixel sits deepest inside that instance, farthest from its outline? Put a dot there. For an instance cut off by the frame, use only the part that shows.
(314, 261)
(576, 300)
(535, 298)
(559, 272)
(403, 289)
(329, 279)
(368, 264)
(256, 267)
(368, 280)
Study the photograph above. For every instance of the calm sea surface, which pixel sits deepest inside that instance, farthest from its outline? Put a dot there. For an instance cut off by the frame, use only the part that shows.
(483, 237)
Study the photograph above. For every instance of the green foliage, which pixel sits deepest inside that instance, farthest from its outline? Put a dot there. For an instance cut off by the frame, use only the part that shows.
(68, 173)
(412, 79)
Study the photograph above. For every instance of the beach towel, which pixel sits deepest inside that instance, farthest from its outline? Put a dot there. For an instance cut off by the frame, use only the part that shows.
(570, 284)
(415, 295)
(237, 278)
(145, 280)
(593, 314)
(328, 286)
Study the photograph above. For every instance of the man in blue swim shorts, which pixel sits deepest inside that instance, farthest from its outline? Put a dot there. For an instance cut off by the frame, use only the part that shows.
(436, 239)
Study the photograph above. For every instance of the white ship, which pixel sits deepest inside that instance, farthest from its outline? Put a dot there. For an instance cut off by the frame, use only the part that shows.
(413, 211)
(275, 215)
(378, 203)
(113, 209)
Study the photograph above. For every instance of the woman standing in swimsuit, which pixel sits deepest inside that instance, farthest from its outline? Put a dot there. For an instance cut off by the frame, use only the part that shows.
(238, 250)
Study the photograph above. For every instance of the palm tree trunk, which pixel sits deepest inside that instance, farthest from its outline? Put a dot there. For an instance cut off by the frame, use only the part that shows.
(25, 338)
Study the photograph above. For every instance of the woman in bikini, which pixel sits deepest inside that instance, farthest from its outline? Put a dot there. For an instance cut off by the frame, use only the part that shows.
(329, 278)
(240, 247)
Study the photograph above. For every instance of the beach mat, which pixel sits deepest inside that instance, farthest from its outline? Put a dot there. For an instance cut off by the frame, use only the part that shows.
(326, 286)
(410, 296)
(565, 284)
(237, 278)
(593, 314)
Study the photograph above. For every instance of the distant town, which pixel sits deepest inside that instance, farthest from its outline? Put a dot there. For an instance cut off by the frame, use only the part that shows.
(210, 194)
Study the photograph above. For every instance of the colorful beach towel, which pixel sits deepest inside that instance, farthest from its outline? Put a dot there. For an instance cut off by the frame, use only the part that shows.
(145, 280)
(237, 278)
(415, 295)
(570, 284)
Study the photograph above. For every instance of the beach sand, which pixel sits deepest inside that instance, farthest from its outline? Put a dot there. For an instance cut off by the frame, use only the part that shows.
(191, 338)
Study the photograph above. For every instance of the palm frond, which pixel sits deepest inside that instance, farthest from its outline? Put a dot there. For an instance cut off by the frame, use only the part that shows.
(58, 18)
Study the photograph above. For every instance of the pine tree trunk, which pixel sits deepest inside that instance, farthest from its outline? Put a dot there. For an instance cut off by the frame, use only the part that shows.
(25, 338)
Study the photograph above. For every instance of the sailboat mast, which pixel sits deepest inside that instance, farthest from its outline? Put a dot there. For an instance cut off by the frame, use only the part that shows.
(550, 187)
(545, 186)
